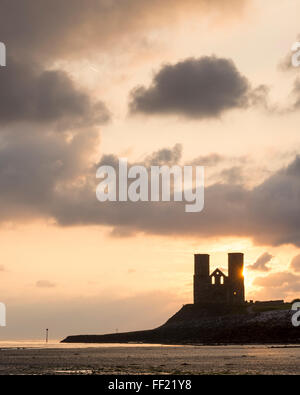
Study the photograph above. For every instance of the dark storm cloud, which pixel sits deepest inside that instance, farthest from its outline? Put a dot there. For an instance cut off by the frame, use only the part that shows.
(47, 30)
(275, 206)
(34, 166)
(48, 175)
(195, 88)
(53, 28)
(268, 213)
(63, 185)
(261, 262)
(31, 94)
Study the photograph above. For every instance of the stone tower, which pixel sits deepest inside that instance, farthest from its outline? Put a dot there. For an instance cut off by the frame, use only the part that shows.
(217, 287)
(236, 277)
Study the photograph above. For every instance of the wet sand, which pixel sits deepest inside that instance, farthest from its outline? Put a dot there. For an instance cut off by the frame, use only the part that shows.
(152, 360)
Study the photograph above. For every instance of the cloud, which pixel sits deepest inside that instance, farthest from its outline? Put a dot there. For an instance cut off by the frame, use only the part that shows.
(212, 159)
(286, 64)
(45, 284)
(2, 268)
(61, 29)
(281, 280)
(31, 94)
(195, 88)
(232, 175)
(296, 95)
(165, 156)
(260, 263)
(44, 33)
(284, 285)
(226, 169)
(295, 263)
(35, 166)
(267, 213)
(46, 176)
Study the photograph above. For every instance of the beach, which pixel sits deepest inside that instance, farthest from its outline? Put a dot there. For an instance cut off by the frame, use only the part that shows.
(57, 359)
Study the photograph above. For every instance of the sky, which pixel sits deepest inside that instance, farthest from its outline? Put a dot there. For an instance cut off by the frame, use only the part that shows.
(196, 82)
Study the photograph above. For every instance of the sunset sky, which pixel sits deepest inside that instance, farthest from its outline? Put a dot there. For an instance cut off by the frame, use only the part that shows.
(170, 82)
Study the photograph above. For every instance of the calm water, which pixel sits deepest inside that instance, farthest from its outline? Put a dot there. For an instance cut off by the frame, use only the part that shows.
(56, 344)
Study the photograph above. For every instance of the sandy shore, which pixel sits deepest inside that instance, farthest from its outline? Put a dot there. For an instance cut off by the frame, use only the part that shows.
(153, 360)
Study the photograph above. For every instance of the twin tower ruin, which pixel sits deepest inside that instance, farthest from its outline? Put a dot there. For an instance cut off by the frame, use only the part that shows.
(217, 287)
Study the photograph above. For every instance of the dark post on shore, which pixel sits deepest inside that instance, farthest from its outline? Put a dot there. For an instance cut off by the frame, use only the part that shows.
(47, 335)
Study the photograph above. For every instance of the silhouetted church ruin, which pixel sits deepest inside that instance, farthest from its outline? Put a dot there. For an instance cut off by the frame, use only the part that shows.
(217, 287)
